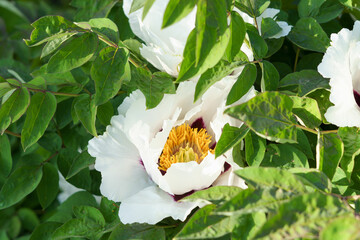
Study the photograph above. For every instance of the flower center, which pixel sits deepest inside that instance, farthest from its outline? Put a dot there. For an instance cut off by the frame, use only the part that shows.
(185, 144)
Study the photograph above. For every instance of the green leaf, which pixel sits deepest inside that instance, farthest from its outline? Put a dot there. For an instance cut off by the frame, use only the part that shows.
(4, 88)
(255, 147)
(284, 155)
(330, 150)
(230, 137)
(153, 86)
(269, 115)
(253, 8)
(136, 5)
(216, 195)
(75, 53)
(105, 112)
(20, 183)
(89, 223)
(28, 219)
(48, 187)
(351, 139)
(49, 28)
(257, 43)
(307, 110)
(54, 44)
(177, 10)
(147, 7)
(92, 9)
(109, 210)
(269, 27)
(207, 43)
(84, 160)
(14, 107)
(309, 35)
(305, 81)
(137, 231)
(85, 109)
(302, 216)
(237, 36)
(313, 178)
(255, 201)
(44, 231)
(5, 156)
(212, 75)
(323, 11)
(105, 27)
(13, 227)
(242, 85)
(308, 8)
(270, 77)
(65, 211)
(107, 71)
(322, 97)
(271, 177)
(344, 227)
(51, 141)
(42, 108)
(204, 225)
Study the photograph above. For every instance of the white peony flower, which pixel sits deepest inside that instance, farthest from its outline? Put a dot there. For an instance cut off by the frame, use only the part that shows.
(341, 64)
(268, 13)
(149, 159)
(163, 48)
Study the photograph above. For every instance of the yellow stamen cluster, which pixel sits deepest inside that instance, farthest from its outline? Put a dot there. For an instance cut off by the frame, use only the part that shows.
(185, 144)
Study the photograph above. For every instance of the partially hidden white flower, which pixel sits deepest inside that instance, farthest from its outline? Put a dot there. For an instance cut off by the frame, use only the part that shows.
(341, 63)
(149, 159)
(67, 189)
(164, 48)
(268, 13)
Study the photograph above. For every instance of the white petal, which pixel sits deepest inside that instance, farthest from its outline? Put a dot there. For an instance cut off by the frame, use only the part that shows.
(151, 205)
(285, 29)
(340, 64)
(181, 178)
(119, 162)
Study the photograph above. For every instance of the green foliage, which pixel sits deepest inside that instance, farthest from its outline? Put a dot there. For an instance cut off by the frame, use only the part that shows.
(61, 86)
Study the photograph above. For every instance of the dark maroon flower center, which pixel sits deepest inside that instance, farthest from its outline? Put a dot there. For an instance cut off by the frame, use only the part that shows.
(357, 97)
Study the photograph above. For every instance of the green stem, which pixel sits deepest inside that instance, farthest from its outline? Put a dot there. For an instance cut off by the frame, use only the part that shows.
(306, 129)
(55, 93)
(296, 58)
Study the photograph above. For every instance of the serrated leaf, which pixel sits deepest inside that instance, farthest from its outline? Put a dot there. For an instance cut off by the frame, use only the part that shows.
(49, 28)
(5, 156)
(270, 77)
(177, 10)
(107, 71)
(41, 110)
(48, 187)
(309, 35)
(242, 85)
(20, 183)
(153, 86)
(307, 110)
(253, 8)
(14, 107)
(75, 53)
(269, 115)
(305, 81)
(85, 110)
(230, 137)
(329, 151)
(271, 177)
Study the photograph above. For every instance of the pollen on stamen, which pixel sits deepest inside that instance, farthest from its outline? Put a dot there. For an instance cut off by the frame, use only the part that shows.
(185, 144)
